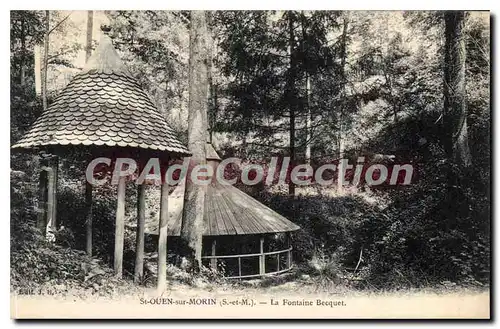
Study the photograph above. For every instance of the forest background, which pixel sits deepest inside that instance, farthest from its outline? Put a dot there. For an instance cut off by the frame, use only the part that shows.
(315, 86)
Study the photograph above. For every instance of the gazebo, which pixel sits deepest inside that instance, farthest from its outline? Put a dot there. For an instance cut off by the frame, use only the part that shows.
(241, 235)
(104, 112)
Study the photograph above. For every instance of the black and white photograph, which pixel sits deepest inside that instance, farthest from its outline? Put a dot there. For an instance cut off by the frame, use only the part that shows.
(250, 164)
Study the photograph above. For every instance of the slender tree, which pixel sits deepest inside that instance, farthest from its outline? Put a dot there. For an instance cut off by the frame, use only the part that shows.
(212, 92)
(45, 60)
(307, 103)
(291, 95)
(90, 24)
(455, 109)
(23, 51)
(340, 110)
(88, 186)
(194, 197)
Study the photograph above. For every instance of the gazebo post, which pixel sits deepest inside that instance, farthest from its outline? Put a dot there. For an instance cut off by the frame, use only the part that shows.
(55, 171)
(139, 241)
(50, 195)
(213, 261)
(119, 227)
(162, 238)
(278, 262)
(289, 253)
(42, 196)
(240, 251)
(103, 131)
(262, 260)
(88, 218)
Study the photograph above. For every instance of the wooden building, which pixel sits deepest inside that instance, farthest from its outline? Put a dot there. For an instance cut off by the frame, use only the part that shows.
(241, 235)
(104, 112)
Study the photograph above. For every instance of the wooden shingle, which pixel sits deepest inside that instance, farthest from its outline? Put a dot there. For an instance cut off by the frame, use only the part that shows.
(228, 211)
(103, 105)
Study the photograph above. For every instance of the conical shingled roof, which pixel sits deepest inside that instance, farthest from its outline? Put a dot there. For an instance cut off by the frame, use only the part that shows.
(103, 105)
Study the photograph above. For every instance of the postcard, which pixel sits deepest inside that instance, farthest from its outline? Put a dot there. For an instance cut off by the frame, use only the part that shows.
(250, 164)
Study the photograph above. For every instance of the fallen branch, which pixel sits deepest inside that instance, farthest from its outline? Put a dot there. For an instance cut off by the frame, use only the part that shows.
(359, 262)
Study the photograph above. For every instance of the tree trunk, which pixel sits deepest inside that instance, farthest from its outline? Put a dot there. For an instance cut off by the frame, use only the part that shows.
(45, 60)
(90, 24)
(340, 116)
(38, 69)
(194, 197)
(308, 120)
(455, 141)
(308, 91)
(88, 186)
(23, 53)
(212, 98)
(291, 97)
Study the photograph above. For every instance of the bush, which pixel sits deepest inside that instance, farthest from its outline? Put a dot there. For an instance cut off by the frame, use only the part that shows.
(41, 266)
(327, 224)
(425, 233)
(432, 232)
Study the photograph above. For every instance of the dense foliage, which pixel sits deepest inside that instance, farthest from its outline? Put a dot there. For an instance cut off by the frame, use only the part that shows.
(289, 83)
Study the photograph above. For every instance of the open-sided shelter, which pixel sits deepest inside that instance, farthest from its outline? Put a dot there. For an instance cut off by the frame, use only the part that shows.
(242, 236)
(106, 113)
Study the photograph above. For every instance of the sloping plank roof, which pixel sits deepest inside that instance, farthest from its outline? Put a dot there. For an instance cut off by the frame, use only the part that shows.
(103, 105)
(228, 211)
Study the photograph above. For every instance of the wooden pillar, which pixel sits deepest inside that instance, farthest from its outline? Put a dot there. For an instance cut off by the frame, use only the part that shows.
(55, 172)
(42, 196)
(47, 197)
(139, 241)
(162, 239)
(50, 196)
(213, 261)
(119, 228)
(88, 218)
(289, 253)
(241, 251)
(262, 265)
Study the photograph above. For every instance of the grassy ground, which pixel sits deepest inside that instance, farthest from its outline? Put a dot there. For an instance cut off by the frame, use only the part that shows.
(109, 287)
(277, 301)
